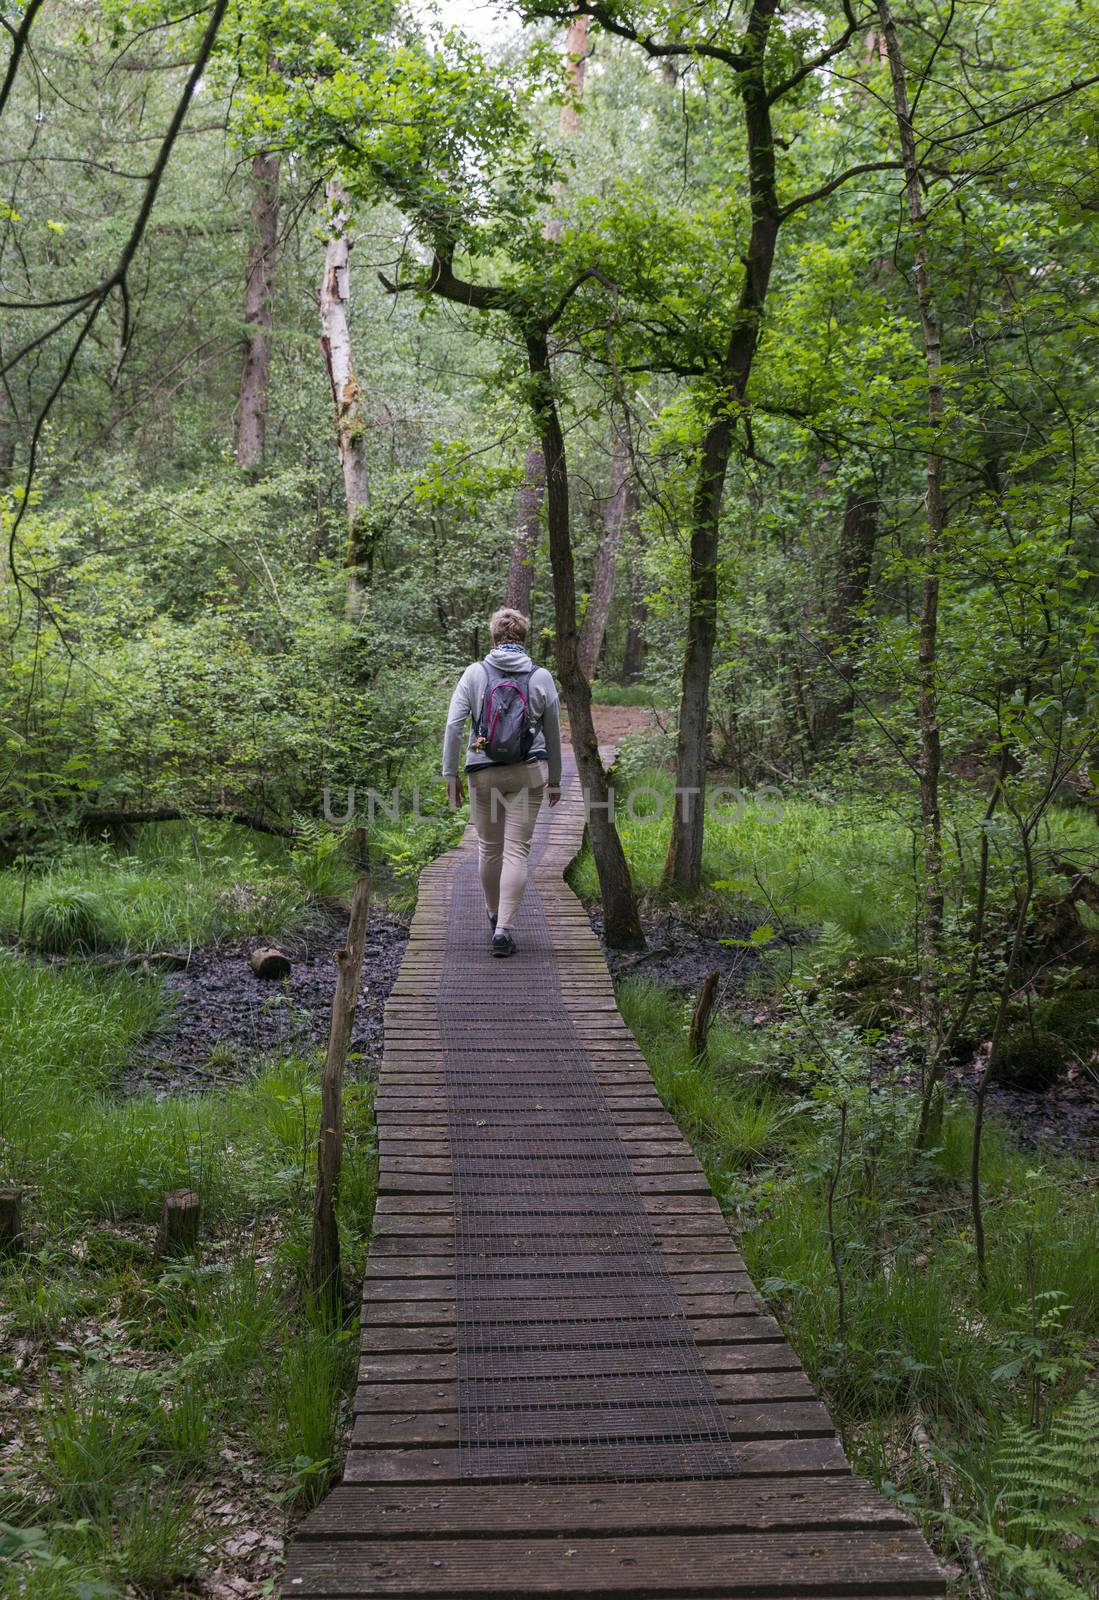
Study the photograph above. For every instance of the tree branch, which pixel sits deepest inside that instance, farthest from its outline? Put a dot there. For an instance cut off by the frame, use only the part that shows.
(835, 183)
(19, 38)
(606, 19)
(821, 59)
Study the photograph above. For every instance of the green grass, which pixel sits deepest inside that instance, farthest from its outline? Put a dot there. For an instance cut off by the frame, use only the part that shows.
(731, 1114)
(843, 869)
(626, 694)
(146, 1380)
(173, 887)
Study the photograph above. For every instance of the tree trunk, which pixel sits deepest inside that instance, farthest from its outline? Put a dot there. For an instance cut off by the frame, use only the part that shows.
(683, 866)
(7, 437)
(855, 557)
(525, 544)
(633, 655)
(622, 924)
(576, 49)
(346, 395)
(927, 665)
(11, 1220)
(698, 1034)
(258, 313)
(532, 489)
(324, 1250)
(620, 511)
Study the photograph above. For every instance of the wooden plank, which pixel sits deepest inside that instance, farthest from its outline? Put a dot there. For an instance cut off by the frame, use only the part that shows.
(560, 1284)
(745, 1564)
(354, 1511)
(426, 1366)
(755, 1458)
(787, 1420)
(422, 1397)
(748, 1329)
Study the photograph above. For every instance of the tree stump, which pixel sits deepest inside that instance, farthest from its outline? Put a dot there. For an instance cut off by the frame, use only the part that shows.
(702, 1016)
(268, 962)
(179, 1219)
(11, 1220)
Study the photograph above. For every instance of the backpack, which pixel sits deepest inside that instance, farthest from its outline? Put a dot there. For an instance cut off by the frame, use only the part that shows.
(504, 724)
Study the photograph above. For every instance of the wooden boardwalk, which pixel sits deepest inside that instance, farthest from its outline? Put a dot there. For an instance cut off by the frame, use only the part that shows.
(567, 1386)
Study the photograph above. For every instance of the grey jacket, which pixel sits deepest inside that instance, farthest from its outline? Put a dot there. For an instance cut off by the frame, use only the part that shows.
(466, 701)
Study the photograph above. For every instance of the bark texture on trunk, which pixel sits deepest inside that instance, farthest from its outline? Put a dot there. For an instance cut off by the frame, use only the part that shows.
(576, 49)
(525, 544)
(633, 655)
(258, 313)
(532, 489)
(934, 522)
(621, 919)
(7, 437)
(324, 1250)
(620, 511)
(346, 394)
(855, 558)
(683, 866)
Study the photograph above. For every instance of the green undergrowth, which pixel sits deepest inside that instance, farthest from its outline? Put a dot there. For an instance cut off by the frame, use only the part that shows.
(180, 885)
(626, 694)
(167, 1414)
(933, 1378)
(173, 885)
(842, 869)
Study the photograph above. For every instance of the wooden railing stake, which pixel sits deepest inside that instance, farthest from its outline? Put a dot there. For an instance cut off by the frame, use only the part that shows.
(324, 1252)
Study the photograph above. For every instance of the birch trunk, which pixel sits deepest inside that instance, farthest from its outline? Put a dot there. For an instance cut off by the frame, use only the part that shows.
(335, 301)
(620, 510)
(258, 313)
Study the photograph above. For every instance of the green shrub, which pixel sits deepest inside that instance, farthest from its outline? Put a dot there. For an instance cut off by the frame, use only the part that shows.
(63, 920)
(625, 694)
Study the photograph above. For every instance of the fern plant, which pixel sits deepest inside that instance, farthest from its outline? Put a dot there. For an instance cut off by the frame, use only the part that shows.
(1050, 1493)
(1043, 1534)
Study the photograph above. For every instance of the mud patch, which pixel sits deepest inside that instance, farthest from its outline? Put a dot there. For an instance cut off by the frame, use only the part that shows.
(222, 1017)
(679, 955)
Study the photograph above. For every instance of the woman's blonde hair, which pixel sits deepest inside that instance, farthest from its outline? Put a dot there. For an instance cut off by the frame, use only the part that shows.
(508, 626)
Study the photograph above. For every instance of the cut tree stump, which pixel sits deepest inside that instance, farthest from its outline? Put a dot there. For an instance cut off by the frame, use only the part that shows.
(179, 1219)
(11, 1220)
(702, 1016)
(270, 963)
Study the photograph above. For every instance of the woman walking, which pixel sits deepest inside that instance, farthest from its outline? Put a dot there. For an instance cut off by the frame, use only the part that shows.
(513, 759)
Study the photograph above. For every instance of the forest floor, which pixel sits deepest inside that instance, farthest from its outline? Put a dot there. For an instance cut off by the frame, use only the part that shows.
(221, 1016)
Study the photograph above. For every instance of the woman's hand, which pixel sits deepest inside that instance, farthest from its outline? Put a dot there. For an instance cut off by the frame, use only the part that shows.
(455, 792)
(553, 794)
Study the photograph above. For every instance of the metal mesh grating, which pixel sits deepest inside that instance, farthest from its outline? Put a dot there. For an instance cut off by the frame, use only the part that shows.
(575, 1359)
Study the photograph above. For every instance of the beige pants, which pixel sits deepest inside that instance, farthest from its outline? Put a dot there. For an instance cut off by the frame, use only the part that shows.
(504, 804)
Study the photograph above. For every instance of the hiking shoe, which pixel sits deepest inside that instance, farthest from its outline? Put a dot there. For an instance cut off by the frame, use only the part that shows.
(503, 944)
(491, 918)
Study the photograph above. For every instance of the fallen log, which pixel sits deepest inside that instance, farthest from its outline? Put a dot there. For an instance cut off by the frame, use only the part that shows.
(268, 962)
(120, 817)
